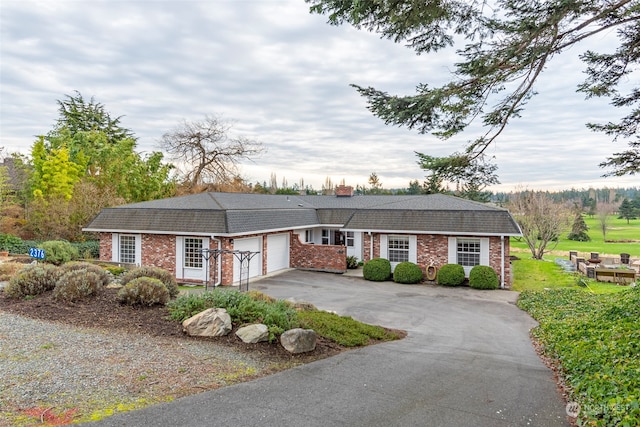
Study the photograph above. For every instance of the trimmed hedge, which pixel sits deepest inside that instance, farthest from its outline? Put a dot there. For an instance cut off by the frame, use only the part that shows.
(407, 273)
(483, 277)
(377, 270)
(450, 275)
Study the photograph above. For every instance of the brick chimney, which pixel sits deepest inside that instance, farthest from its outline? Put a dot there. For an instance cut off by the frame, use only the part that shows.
(344, 191)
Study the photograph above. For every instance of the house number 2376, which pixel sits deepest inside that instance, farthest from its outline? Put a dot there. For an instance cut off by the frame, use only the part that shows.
(36, 253)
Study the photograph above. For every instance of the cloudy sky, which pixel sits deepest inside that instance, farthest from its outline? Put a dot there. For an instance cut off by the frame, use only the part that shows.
(281, 76)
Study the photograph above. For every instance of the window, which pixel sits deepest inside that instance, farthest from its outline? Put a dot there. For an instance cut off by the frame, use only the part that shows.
(350, 238)
(398, 248)
(127, 249)
(308, 236)
(325, 236)
(468, 252)
(192, 253)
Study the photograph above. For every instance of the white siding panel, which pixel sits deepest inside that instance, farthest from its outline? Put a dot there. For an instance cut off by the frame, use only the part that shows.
(484, 251)
(413, 249)
(384, 246)
(453, 250)
(115, 247)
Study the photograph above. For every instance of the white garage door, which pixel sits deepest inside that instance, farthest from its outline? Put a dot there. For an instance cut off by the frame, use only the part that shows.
(277, 252)
(253, 244)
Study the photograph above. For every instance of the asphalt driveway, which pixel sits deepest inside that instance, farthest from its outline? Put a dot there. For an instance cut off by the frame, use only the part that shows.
(467, 361)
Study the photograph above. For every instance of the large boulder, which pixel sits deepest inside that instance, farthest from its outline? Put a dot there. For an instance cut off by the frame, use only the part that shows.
(253, 333)
(298, 340)
(213, 322)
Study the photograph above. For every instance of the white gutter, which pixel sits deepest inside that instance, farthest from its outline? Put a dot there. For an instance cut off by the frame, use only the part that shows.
(219, 275)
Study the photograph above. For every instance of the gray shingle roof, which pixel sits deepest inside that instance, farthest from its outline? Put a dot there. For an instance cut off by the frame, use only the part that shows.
(238, 213)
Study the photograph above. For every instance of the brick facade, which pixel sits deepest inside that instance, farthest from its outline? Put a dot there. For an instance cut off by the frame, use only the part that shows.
(160, 250)
(106, 253)
(434, 250)
(332, 258)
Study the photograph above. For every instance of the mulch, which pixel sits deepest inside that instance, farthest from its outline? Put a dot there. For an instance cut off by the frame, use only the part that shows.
(103, 311)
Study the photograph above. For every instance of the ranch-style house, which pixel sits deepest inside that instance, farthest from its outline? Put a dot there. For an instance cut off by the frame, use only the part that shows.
(205, 237)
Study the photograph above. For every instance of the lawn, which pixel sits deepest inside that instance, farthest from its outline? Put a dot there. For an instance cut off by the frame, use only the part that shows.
(621, 238)
(536, 275)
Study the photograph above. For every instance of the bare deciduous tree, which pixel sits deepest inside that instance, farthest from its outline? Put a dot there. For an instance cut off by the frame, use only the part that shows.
(206, 150)
(603, 212)
(541, 220)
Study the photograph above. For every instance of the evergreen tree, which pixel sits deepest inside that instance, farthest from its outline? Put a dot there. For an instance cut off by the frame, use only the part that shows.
(506, 46)
(627, 210)
(579, 229)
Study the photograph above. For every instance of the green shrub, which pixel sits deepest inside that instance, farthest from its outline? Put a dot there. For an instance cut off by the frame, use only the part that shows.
(343, 329)
(594, 338)
(144, 291)
(58, 251)
(377, 270)
(103, 275)
(10, 243)
(407, 273)
(450, 275)
(77, 284)
(89, 249)
(157, 273)
(32, 280)
(27, 244)
(483, 277)
(243, 308)
(352, 262)
(114, 269)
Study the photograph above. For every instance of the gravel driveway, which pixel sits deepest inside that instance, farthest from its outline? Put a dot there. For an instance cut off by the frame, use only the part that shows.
(58, 368)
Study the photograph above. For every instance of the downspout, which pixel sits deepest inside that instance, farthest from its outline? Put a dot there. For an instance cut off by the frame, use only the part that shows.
(502, 261)
(370, 245)
(219, 263)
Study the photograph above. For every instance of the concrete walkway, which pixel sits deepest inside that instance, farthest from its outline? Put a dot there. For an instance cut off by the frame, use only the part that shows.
(467, 361)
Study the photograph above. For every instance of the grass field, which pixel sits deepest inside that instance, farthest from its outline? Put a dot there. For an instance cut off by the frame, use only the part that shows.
(535, 275)
(618, 230)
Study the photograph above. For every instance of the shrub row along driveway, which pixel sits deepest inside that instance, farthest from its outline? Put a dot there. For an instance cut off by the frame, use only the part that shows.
(467, 361)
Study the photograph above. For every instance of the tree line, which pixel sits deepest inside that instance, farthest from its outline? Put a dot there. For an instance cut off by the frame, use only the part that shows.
(88, 161)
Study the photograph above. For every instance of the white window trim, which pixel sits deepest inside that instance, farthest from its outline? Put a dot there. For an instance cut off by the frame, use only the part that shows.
(413, 247)
(115, 247)
(484, 251)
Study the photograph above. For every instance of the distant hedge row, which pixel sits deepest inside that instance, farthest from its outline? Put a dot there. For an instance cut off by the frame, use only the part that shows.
(15, 245)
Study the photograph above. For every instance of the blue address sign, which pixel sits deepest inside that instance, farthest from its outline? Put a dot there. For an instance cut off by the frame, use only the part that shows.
(36, 253)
